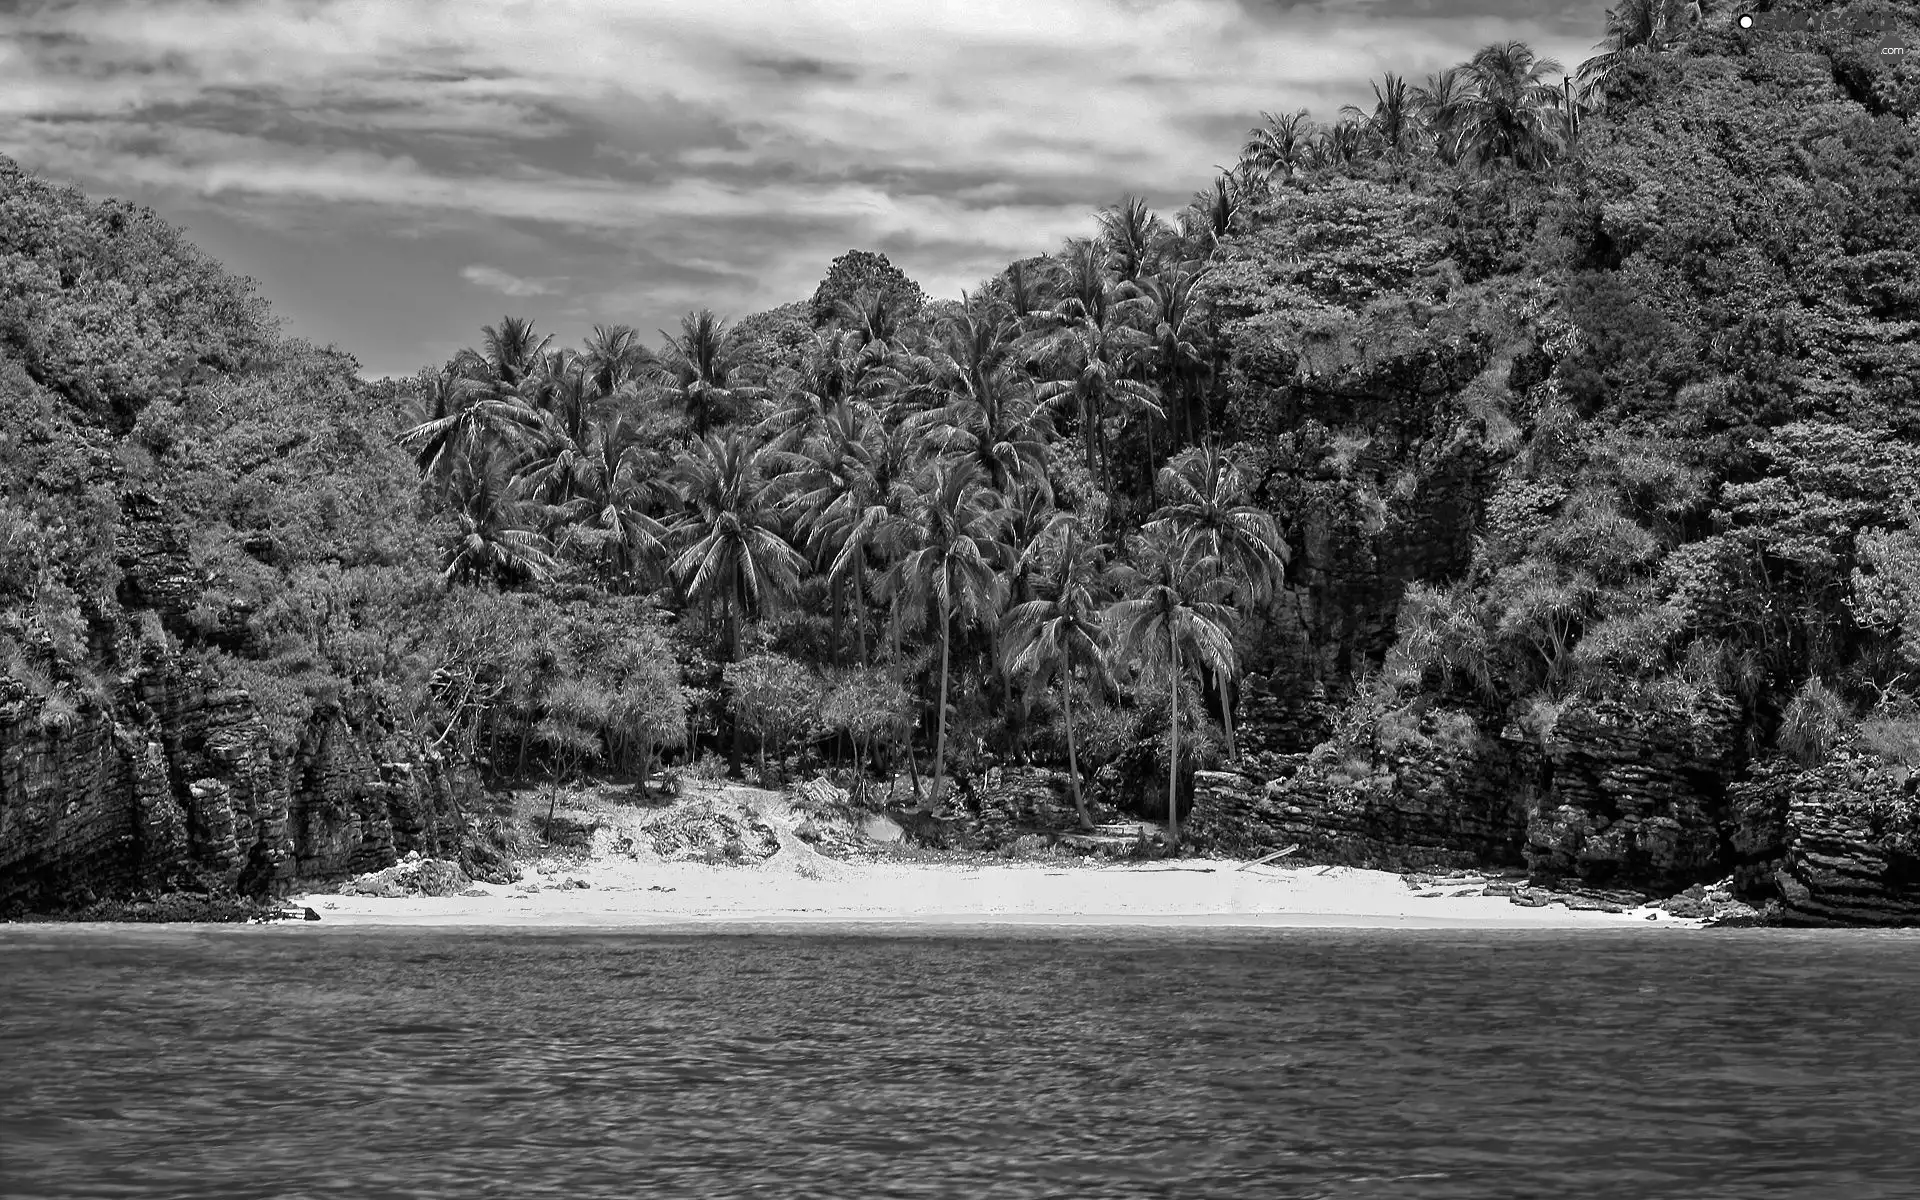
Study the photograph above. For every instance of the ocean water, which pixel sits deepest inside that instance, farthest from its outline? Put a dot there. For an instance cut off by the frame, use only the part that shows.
(365, 1063)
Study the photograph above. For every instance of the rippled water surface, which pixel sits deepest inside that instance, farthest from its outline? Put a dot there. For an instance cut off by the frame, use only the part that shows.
(284, 1062)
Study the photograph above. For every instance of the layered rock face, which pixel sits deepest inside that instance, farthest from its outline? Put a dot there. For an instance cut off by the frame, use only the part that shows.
(1835, 845)
(175, 786)
(1637, 797)
(1438, 809)
(1617, 797)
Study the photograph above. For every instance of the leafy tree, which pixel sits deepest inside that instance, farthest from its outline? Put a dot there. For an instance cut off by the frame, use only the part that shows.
(867, 272)
(776, 699)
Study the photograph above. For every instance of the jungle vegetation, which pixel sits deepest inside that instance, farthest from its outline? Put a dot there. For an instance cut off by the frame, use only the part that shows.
(1597, 382)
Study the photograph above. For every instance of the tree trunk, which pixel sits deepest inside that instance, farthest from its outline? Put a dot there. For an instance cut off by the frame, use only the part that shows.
(1226, 711)
(940, 735)
(838, 603)
(738, 752)
(1173, 758)
(1073, 755)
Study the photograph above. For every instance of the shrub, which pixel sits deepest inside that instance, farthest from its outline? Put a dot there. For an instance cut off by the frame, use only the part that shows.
(1814, 720)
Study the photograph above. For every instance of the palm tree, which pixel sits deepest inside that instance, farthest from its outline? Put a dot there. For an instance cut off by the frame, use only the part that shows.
(1507, 113)
(1635, 27)
(1060, 634)
(1205, 508)
(990, 414)
(1087, 346)
(466, 415)
(1279, 146)
(493, 537)
(1133, 234)
(868, 516)
(703, 370)
(614, 358)
(619, 488)
(1438, 104)
(512, 353)
(953, 566)
(1177, 338)
(735, 547)
(1167, 622)
(1394, 120)
(1216, 212)
(1340, 145)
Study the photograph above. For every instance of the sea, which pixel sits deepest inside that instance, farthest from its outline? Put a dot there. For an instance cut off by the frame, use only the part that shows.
(314, 1061)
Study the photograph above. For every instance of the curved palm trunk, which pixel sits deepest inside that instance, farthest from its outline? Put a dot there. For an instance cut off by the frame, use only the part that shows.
(1226, 710)
(1173, 759)
(1073, 753)
(940, 735)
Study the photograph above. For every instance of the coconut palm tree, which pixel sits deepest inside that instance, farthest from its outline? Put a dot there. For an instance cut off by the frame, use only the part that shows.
(1169, 623)
(1206, 508)
(1394, 120)
(735, 549)
(1506, 115)
(953, 566)
(1438, 103)
(1636, 27)
(494, 539)
(1176, 343)
(511, 353)
(867, 519)
(1339, 146)
(618, 491)
(1133, 235)
(1212, 217)
(1279, 145)
(614, 359)
(704, 370)
(1087, 340)
(990, 414)
(1060, 634)
(466, 415)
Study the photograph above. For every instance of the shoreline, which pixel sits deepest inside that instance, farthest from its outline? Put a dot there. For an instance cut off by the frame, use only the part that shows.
(1198, 894)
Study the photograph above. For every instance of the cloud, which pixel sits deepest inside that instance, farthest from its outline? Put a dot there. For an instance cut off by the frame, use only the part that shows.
(661, 145)
(496, 280)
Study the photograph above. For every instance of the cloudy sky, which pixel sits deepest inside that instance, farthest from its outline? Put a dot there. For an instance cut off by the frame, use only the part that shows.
(397, 173)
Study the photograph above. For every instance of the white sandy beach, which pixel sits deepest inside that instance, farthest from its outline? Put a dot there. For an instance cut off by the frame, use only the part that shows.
(798, 885)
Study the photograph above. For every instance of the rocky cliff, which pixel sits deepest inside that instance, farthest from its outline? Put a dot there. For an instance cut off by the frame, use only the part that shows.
(1652, 802)
(174, 786)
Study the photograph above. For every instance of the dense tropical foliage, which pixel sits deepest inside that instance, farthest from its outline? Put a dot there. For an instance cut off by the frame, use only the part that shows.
(1514, 387)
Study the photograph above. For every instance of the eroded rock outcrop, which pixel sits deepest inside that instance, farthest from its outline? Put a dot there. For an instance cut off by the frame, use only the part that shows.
(1837, 844)
(1637, 797)
(176, 785)
(1448, 806)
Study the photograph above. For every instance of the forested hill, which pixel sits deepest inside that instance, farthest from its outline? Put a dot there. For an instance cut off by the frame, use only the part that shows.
(1516, 470)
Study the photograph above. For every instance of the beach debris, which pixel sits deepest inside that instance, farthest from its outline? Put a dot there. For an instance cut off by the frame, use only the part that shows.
(713, 831)
(307, 914)
(1269, 858)
(476, 893)
(657, 888)
(411, 876)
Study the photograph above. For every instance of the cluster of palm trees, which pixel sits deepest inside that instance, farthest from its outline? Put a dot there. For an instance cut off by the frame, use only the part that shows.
(1501, 108)
(1036, 465)
(913, 468)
